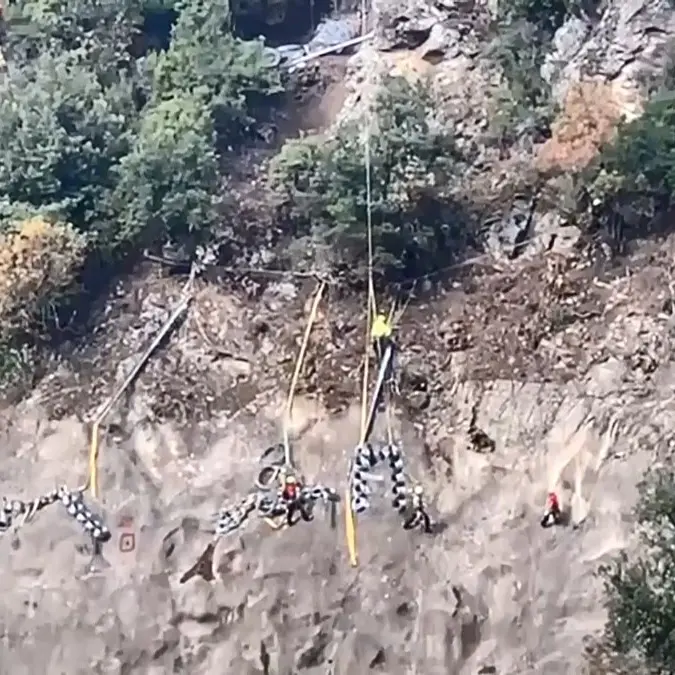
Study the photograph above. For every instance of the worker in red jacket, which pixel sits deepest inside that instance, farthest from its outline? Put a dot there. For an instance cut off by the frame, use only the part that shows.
(292, 495)
(552, 513)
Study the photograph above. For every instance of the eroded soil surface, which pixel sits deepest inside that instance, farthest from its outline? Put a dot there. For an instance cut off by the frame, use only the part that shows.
(515, 380)
(492, 590)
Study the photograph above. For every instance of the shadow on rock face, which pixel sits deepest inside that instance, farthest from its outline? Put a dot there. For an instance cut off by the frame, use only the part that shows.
(478, 592)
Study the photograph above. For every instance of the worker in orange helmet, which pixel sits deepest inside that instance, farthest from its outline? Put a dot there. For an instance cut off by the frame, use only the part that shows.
(552, 513)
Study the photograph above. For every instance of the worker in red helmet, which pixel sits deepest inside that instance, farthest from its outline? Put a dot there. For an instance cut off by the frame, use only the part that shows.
(552, 514)
(291, 488)
(291, 494)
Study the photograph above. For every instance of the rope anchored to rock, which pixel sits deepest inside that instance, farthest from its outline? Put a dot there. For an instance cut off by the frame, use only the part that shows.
(278, 494)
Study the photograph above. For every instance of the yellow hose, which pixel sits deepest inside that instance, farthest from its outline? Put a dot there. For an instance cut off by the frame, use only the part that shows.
(92, 478)
(350, 521)
(93, 461)
(298, 368)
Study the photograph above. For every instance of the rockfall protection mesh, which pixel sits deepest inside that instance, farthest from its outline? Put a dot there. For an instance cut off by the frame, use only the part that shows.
(408, 503)
(15, 513)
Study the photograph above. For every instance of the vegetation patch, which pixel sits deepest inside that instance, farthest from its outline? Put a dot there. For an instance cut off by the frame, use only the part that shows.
(588, 120)
(628, 190)
(523, 34)
(320, 185)
(39, 262)
(112, 118)
(640, 631)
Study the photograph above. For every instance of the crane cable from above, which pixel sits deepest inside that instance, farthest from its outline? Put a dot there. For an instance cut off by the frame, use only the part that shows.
(371, 311)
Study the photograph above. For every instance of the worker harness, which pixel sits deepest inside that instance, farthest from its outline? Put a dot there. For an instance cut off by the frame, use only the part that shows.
(16, 513)
(552, 513)
(267, 505)
(278, 493)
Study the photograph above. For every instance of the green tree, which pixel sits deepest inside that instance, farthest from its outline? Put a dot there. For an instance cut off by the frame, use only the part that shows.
(546, 15)
(110, 127)
(644, 150)
(104, 30)
(641, 589)
(207, 61)
(167, 182)
(629, 189)
(62, 133)
(321, 187)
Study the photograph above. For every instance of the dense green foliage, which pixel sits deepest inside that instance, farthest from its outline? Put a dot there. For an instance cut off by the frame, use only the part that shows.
(105, 130)
(103, 31)
(207, 62)
(322, 189)
(546, 15)
(62, 132)
(629, 189)
(93, 110)
(166, 183)
(643, 152)
(519, 51)
(641, 589)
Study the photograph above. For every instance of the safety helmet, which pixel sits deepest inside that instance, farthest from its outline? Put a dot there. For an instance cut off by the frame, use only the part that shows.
(418, 490)
(290, 480)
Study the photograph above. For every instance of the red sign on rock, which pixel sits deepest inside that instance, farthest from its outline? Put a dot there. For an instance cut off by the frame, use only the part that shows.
(127, 539)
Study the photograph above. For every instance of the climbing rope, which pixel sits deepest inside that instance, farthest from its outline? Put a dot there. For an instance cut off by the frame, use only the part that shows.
(350, 520)
(371, 311)
(277, 471)
(366, 457)
(267, 504)
(270, 499)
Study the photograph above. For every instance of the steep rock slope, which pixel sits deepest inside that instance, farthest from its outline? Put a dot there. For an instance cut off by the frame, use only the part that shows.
(491, 591)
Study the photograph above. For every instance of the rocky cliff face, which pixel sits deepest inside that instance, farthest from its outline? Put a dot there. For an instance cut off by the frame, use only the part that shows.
(629, 44)
(599, 68)
(536, 376)
(492, 592)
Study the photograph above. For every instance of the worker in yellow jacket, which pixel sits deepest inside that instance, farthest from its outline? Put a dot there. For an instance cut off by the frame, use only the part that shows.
(380, 334)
